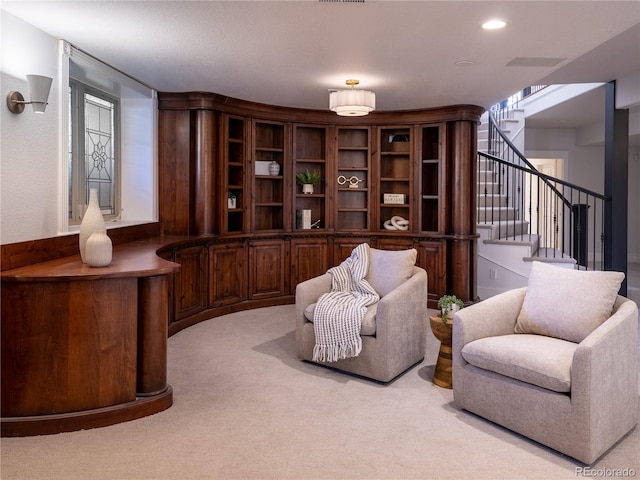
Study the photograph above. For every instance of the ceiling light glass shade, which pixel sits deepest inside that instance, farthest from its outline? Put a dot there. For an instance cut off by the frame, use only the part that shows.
(39, 87)
(352, 103)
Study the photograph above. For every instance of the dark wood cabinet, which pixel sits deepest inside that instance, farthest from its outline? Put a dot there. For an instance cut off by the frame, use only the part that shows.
(268, 275)
(431, 179)
(395, 179)
(233, 196)
(227, 274)
(432, 257)
(391, 179)
(308, 259)
(353, 179)
(271, 176)
(310, 153)
(190, 283)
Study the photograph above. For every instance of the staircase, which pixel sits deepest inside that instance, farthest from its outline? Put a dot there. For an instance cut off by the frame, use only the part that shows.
(508, 224)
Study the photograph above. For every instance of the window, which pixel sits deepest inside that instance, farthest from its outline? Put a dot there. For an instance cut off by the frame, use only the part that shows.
(109, 142)
(94, 154)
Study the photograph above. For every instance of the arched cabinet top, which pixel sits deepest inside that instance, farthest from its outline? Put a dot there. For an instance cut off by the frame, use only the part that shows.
(221, 103)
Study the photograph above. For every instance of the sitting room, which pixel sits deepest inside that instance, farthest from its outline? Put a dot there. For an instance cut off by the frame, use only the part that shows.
(345, 239)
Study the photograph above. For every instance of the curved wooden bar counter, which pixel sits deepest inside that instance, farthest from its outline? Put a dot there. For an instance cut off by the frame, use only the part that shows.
(85, 347)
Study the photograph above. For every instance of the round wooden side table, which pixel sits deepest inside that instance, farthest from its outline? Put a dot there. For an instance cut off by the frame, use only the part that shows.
(442, 376)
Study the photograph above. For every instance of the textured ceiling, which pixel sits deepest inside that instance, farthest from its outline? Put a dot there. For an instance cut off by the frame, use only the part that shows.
(292, 53)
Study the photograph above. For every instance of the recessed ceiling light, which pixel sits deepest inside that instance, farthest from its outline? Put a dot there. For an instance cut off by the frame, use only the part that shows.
(464, 63)
(494, 24)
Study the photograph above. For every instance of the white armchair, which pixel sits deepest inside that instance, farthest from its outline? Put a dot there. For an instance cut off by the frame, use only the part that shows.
(394, 329)
(512, 366)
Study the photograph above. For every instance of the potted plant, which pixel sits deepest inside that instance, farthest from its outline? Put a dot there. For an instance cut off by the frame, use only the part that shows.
(231, 200)
(442, 328)
(308, 179)
(448, 305)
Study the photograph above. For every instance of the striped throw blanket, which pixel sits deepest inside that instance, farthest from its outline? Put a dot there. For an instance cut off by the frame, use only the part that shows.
(339, 313)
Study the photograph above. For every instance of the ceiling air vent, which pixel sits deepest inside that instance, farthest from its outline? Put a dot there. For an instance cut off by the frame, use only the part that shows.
(535, 62)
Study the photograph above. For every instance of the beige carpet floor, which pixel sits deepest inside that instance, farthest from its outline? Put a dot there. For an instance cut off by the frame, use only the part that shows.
(246, 408)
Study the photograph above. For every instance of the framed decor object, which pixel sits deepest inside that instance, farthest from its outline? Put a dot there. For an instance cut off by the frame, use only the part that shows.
(393, 198)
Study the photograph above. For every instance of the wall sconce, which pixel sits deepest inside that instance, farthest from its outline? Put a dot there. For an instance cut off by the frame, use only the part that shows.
(39, 87)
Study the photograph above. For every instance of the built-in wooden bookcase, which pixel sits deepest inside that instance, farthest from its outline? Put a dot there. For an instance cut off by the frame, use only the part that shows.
(268, 186)
(353, 178)
(431, 167)
(209, 147)
(310, 153)
(235, 138)
(395, 178)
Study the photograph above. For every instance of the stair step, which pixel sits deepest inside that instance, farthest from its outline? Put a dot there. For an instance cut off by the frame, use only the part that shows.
(495, 200)
(486, 214)
(550, 255)
(489, 188)
(494, 230)
(485, 176)
(527, 240)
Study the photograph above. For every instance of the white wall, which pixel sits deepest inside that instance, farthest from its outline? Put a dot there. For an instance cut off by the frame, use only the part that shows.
(28, 141)
(33, 196)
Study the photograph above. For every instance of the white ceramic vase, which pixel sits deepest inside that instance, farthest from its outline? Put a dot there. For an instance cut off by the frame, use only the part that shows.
(307, 188)
(91, 221)
(99, 249)
(274, 168)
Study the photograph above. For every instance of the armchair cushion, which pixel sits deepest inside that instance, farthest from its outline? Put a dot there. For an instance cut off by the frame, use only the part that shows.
(368, 325)
(565, 303)
(389, 268)
(519, 356)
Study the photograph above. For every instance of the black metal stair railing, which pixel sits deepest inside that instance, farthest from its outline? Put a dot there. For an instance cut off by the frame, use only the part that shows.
(522, 204)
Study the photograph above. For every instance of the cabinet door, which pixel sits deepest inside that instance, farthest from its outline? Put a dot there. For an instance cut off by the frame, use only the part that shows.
(267, 272)
(310, 153)
(227, 274)
(343, 247)
(395, 174)
(432, 257)
(308, 260)
(190, 283)
(353, 178)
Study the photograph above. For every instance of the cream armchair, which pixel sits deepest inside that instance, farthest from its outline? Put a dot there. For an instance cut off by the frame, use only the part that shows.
(576, 396)
(394, 329)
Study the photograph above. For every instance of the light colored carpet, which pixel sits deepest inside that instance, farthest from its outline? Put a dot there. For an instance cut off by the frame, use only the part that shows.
(247, 408)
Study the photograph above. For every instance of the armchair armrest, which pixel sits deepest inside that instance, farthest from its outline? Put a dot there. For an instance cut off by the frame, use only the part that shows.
(404, 310)
(489, 318)
(604, 374)
(308, 292)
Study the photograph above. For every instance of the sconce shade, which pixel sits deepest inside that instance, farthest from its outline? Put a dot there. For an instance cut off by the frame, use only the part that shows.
(352, 102)
(39, 88)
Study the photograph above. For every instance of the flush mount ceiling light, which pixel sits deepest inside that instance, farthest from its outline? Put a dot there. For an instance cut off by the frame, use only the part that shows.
(39, 87)
(494, 24)
(352, 102)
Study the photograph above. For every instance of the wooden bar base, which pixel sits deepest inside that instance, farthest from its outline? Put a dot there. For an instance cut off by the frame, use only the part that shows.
(99, 417)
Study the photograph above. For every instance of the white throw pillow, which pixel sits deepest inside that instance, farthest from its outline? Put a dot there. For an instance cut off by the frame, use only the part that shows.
(566, 303)
(389, 268)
